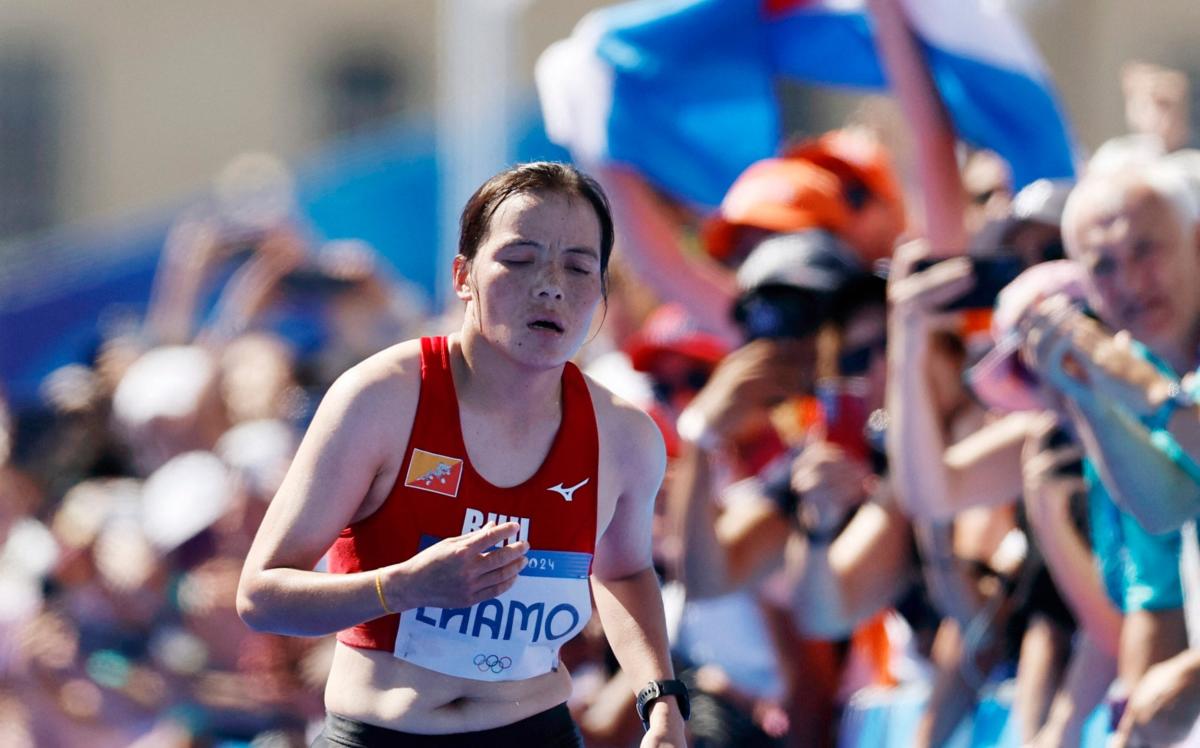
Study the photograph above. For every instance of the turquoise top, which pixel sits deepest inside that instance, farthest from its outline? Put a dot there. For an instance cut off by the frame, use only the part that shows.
(1140, 569)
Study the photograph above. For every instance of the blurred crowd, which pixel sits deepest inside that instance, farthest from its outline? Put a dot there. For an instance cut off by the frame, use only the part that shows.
(130, 497)
(923, 433)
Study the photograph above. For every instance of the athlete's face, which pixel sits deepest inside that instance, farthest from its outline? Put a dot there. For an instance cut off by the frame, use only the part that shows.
(534, 283)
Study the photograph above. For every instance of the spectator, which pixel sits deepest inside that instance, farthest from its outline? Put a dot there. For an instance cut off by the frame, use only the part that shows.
(1135, 232)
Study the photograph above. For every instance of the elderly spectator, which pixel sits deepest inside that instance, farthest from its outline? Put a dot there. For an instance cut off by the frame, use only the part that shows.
(1135, 231)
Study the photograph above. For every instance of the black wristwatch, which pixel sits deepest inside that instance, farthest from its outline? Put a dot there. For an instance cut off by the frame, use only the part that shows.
(655, 690)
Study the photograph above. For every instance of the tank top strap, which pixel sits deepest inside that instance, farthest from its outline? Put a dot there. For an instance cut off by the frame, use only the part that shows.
(435, 366)
(579, 414)
(437, 410)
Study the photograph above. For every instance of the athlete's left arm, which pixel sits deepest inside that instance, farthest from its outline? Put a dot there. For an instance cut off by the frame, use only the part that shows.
(624, 584)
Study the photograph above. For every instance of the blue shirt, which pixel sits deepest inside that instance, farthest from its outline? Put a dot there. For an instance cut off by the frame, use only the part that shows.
(1140, 569)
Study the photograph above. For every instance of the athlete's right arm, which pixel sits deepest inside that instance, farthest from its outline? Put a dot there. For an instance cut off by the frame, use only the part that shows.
(344, 468)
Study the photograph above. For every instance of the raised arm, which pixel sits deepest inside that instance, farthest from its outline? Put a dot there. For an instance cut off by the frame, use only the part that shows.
(1048, 495)
(651, 245)
(933, 135)
(840, 584)
(188, 257)
(934, 480)
(723, 550)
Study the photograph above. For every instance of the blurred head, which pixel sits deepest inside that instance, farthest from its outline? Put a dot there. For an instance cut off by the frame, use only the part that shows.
(532, 259)
(869, 187)
(183, 498)
(1157, 103)
(256, 375)
(772, 196)
(1031, 227)
(841, 182)
(1136, 234)
(987, 180)
(789, 282)
(675, 354)
(168, 402)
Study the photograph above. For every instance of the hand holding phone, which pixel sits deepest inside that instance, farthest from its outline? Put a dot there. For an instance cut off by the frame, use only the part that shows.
(1058, 439)
(991, 273)
(844, 414)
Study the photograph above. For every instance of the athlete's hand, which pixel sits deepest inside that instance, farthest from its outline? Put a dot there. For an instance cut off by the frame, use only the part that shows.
(457, 572)
(666, 727)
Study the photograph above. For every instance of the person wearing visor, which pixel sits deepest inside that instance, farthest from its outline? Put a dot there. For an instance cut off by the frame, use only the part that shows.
(841, 182)
(677, 358)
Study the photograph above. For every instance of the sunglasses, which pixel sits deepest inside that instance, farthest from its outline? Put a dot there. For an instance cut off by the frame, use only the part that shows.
(692, 380)
(856, 361)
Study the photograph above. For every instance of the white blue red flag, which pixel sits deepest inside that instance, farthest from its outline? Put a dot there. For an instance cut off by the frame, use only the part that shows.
(684, 90)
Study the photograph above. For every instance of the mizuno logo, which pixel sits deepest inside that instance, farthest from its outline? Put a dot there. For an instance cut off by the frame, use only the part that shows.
(568, 493)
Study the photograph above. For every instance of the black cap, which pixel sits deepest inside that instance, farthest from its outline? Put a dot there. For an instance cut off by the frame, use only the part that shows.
(789, 282)
(811, 260)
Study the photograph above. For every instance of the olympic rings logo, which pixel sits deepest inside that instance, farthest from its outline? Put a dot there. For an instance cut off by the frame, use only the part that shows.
(493, 663)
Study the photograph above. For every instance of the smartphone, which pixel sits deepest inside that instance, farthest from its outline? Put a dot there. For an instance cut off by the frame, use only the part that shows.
(992, 273)
(1059, 438)
(314, 282)
(844, 414)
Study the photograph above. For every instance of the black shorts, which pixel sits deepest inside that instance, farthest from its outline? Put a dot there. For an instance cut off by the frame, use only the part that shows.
(552, 728)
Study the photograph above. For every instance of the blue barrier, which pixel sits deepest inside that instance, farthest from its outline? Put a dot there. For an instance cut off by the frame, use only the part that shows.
(887, 718)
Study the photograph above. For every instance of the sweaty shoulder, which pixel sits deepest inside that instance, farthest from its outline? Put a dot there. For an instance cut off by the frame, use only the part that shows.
(628, 437)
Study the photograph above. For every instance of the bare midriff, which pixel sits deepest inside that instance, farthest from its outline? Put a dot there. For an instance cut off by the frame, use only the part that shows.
(373, 686)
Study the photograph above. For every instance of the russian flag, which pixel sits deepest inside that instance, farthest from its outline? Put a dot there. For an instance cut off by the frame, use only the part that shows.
(684, 90)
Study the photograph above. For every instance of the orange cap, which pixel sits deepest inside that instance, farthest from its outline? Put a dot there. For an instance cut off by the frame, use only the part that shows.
(806, 188)
(852, 154)
(777, 194)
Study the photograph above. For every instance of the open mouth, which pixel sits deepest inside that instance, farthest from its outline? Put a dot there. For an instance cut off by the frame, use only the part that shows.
(546, 324)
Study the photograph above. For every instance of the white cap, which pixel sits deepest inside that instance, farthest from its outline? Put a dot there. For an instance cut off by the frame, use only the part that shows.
(165, 382)
(1042, 201)
(184, 497)
(261, 450)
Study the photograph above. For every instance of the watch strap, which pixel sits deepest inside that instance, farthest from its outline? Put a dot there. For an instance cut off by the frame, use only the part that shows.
(657, 689)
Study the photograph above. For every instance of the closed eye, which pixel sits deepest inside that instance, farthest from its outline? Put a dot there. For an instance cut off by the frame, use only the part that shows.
(1143, 249)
